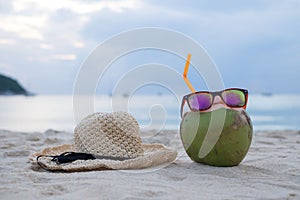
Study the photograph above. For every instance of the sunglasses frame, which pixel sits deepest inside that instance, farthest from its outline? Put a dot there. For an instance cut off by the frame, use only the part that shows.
(214, 94)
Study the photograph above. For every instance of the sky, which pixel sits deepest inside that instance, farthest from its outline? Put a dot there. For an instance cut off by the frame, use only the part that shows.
(254, 44)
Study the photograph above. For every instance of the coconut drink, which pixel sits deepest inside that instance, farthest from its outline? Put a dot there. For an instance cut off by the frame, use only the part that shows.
(226, 145)
(217, 130)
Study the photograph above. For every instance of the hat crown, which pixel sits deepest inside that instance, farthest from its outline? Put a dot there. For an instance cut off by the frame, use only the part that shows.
(109, 134)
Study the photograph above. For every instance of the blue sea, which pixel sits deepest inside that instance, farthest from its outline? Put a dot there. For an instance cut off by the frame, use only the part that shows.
(42, 112)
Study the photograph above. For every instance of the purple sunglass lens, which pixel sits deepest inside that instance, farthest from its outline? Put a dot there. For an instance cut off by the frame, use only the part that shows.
(234, 98)
(200, 101)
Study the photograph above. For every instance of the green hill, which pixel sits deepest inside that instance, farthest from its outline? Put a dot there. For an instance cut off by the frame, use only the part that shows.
(9, 86)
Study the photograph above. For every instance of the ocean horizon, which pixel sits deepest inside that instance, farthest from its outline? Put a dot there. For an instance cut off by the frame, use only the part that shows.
(43, 112)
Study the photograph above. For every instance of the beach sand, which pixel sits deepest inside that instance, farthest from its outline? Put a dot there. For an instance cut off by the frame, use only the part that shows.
(271, 170)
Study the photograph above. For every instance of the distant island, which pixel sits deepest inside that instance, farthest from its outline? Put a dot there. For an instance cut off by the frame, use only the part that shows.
(9, 86)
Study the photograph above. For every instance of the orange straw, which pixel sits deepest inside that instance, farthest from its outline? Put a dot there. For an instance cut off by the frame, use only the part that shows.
(186, 68)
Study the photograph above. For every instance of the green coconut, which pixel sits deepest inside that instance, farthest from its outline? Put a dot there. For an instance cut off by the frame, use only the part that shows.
(220, 137)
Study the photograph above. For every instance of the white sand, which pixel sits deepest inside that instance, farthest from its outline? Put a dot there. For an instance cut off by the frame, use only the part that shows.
(271, 170)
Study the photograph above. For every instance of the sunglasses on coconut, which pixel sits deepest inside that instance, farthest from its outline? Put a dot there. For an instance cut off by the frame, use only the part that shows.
(203, 100)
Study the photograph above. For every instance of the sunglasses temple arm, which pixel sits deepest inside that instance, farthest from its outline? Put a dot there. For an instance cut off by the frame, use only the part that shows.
(186, 68)
(246, 101)
(182, 105)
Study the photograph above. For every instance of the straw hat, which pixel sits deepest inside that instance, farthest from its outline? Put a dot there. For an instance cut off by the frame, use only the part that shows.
(114, 135)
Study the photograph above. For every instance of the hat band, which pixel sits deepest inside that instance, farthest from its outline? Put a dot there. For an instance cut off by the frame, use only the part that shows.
(67, 157)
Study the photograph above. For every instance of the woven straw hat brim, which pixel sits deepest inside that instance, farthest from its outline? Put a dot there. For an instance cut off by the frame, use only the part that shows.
(154, 154)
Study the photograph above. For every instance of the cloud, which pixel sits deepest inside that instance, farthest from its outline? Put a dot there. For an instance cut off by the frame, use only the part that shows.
(67, 57)
(26, 20)
(78, 44)
(51, 58)
(7, 42)
(46, 46)
(28, 27)
(79, 7)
